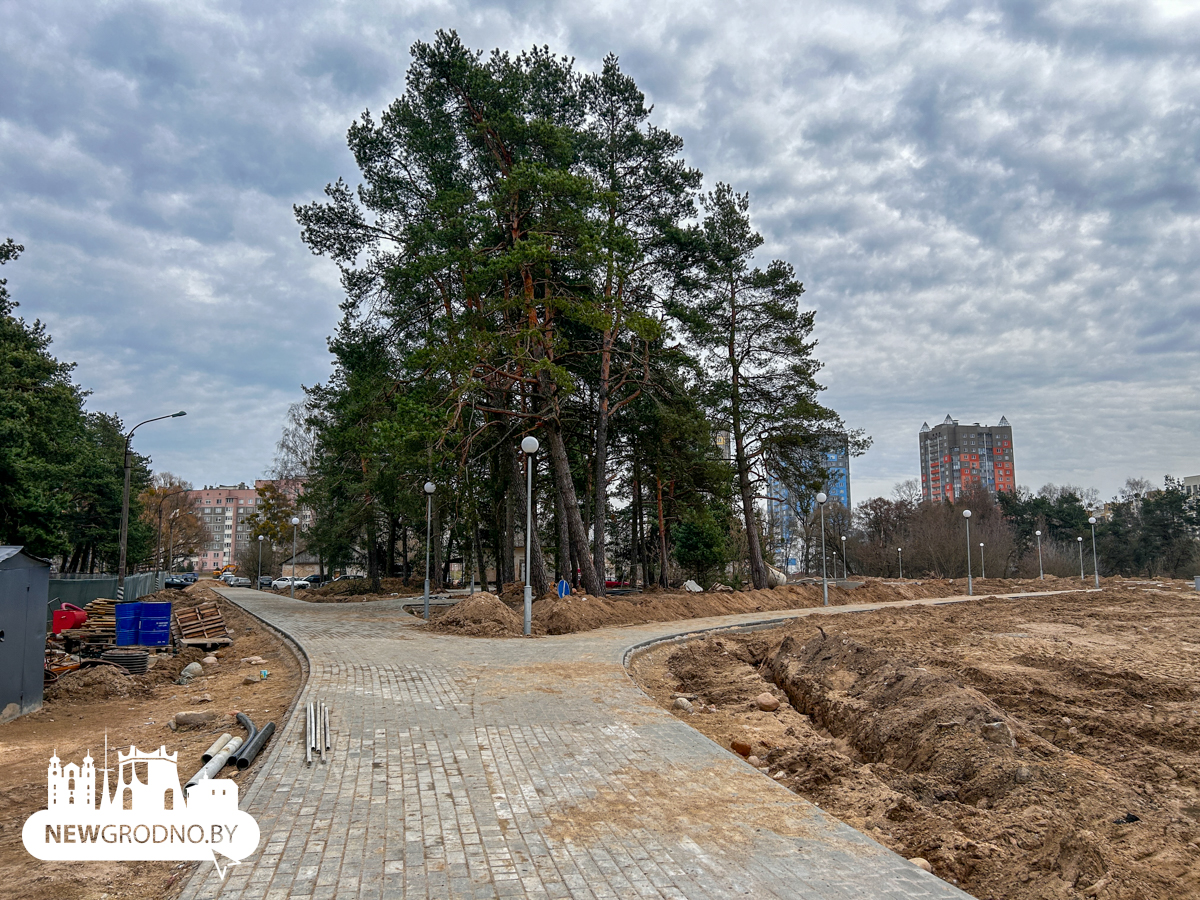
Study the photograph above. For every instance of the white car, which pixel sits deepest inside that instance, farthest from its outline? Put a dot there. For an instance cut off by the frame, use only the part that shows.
(284, 582)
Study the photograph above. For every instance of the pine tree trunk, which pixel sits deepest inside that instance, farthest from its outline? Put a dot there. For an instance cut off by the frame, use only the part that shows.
(563, 554)
(662, 536)
(600, 467)
(391, 546)
(566, 487)
(435, 576)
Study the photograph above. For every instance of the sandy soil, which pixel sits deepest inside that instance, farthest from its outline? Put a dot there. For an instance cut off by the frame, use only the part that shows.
(580, 612)
(1028, 748)
(81, 706)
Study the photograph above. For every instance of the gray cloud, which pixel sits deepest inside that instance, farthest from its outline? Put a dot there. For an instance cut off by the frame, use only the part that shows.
(993, 206)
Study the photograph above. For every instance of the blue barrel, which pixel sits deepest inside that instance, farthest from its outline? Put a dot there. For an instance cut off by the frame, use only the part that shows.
(126, 637)
(128, 614)
(154, 637)
(156, 612)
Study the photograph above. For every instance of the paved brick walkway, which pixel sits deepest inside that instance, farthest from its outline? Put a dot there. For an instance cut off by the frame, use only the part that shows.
(476, 768)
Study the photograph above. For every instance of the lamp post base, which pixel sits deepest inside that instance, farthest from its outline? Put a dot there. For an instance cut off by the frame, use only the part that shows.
(528, 608)
(426, 599)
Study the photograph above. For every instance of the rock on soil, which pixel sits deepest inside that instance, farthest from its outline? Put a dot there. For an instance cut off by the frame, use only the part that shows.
(482, 614)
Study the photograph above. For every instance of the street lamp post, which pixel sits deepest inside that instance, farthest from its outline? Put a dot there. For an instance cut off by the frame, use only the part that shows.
(530, 446)
(125, 502)
(171, 540)
(821, 498)
(258, 584)
(292, 584)
(970, 584)
(1041, 574)
(158, 560)
(900, 555)
(845, 571)
(1080, 542)
(982, 562)
(430, 487)
(1095, 563)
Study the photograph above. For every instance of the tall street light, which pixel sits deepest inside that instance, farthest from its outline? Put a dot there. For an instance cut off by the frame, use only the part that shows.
(970, 585)
(292, 583)
(258, 584)
(845, 571)
(1041, 574)
(900, 555)
(125, 501)
(530, 446)
(171, 540)
(158, 547)
(982, 562)
(1080, 541)
(821, 498)
(430, 487)
(1095, 564)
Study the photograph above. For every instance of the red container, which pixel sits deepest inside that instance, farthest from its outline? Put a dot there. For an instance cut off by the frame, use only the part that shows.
(70, 616)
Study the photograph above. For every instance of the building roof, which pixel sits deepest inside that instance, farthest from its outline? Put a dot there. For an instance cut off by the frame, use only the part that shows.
(303, 558)
(7, 552)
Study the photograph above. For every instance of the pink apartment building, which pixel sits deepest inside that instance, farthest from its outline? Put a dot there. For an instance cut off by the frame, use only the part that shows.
(224, 510)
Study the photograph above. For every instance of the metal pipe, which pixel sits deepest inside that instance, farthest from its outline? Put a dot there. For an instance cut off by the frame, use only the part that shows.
(321, 731)
(216, 747)
(213, 767)
(328, 743)
(249, 751)
(308, 733)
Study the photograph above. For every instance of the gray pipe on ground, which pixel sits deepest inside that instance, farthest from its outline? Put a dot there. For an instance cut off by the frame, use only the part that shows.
(214, 765)
(216, 747)
(250, 750)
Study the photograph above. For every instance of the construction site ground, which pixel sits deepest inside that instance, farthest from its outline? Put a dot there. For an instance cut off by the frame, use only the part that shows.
(84, 706)
(1031, 747)
(1026, 748)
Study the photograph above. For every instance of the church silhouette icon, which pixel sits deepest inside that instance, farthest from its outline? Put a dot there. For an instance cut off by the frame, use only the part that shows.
(145, 816)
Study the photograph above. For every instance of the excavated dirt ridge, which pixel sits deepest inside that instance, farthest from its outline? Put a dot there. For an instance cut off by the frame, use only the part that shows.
(1027, 748)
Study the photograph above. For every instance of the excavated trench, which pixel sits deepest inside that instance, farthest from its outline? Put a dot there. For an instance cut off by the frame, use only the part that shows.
(1017, 775)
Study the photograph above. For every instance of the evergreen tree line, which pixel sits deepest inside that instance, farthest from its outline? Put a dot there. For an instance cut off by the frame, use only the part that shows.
(61, 466)
(1147, 532)
(528, 254)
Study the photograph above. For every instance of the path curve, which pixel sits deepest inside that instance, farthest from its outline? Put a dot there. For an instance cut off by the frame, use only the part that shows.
(524, 768)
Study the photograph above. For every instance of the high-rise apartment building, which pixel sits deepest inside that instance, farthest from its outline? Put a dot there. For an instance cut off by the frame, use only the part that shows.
(956, 458)
(223, 509)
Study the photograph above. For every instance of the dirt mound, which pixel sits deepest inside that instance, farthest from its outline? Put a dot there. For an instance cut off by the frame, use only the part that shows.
(95, 683)
(340, 591)
(482, 614)
(1030, 749)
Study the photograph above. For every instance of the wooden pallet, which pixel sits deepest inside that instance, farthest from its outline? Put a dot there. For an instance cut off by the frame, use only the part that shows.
(201, 626)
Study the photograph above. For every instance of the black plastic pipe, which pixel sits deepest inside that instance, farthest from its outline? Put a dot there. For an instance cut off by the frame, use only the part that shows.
(251, 734)
(251, 749)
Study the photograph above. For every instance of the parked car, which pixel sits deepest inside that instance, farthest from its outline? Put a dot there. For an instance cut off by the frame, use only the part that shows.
(284, 582)
(239, 581)
(190, 577)
(315, 580)
(264, 581)
(228, 577)
(348, 578)
(176, 581)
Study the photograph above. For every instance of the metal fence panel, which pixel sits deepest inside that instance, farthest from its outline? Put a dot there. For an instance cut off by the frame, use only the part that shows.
(82, 591)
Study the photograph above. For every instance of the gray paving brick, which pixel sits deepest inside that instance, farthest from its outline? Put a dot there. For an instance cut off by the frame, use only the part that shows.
(478, 768)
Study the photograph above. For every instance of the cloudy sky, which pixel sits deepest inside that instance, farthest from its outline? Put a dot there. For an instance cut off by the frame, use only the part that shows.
(993, 206)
